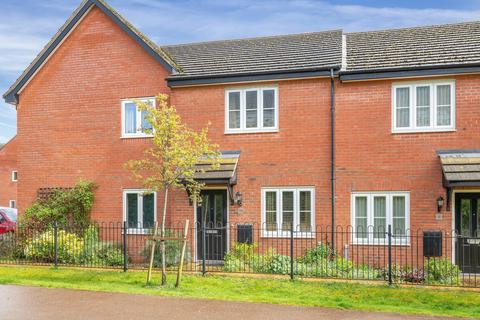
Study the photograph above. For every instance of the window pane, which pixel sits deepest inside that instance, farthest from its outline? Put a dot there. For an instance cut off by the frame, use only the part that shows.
(145, 124)
(234, 120)
(361, 217)
(402, 107)
(148, 210)
(132, 210)
(305, 211)
(403, 97)
(271, 210)
(423, 106)
(269, 118)
(234, 110)
(268, 99)
(443, 95)
(443, 115)
(403, 118)
(218, 215)
(251, 109)
(379, 217)
(423, 117)
(465, 213)
(399, 216)
(287, 210)
(130, 118)
(423, 96)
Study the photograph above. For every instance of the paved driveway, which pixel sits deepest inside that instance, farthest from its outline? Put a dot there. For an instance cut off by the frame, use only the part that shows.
(18, 302)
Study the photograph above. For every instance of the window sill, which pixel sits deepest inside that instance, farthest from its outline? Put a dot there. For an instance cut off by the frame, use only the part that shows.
(136, 137)
(140, 231)
(380, 243)
(286, 235)
(252, 131)
(429, 130)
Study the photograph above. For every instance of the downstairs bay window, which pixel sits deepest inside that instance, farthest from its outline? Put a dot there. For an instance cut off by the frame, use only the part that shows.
(139, 210)
(282, 207)
(372, 213)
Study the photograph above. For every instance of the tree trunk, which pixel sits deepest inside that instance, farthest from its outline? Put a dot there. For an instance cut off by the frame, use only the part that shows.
(162, 234)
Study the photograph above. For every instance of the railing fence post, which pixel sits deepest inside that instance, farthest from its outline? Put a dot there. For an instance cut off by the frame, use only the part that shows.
(204, 248)
(125, 247)
(55, 244)
(389, 233)
(291, 251)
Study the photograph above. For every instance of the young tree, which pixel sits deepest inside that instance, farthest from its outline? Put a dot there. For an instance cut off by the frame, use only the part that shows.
(171, 161)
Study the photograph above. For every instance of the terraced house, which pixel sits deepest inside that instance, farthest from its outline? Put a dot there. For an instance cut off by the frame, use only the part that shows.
(365, 129)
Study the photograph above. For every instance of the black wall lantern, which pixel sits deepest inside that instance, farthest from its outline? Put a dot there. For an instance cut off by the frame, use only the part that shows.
(238, 198)
(439, 203)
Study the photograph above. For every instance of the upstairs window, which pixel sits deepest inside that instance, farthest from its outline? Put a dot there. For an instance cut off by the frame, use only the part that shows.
(251, 110)
(134, 123)
(14, 176)
(423, 107)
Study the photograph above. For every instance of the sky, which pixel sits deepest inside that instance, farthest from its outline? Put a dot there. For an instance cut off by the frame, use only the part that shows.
(27, 25)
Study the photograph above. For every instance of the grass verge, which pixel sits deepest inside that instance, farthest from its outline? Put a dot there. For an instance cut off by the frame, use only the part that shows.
(439, 302)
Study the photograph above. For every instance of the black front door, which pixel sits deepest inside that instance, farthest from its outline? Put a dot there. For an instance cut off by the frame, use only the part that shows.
(212, 212)
(467, 224)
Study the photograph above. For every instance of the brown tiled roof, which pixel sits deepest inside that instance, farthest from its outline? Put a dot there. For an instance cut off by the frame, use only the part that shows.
(307, 51)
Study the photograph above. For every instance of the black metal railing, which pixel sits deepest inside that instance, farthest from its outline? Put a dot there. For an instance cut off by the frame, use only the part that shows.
(429, 257)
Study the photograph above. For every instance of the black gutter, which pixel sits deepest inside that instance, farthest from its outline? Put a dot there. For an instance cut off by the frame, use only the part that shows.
(404, 72)
(332, 142)
(179, 81)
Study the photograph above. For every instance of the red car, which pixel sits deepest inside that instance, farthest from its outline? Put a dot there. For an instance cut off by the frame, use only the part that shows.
(8, 220)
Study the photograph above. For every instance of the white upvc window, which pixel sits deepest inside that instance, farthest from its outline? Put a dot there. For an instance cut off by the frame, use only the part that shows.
(139, 209)
(14, 176)
(283, 206)
(373, 212)
(423, 106)
(251, 110)
(134, 124)
(13, 204)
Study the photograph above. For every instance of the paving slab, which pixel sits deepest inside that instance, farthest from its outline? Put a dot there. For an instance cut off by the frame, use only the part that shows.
(22, 302)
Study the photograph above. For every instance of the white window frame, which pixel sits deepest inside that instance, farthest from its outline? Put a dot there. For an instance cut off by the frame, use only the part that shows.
(433, 84)
(139, 133)
(243, 128)
(370, 240)
(14, 176)
(279, 233)
(12, 204)
(139, 193)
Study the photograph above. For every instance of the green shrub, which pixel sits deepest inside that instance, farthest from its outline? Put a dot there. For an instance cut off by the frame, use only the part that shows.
(173, 250)
(73, 249)
(67, 207)
(41, 248)
(318, 254)
(441, 271)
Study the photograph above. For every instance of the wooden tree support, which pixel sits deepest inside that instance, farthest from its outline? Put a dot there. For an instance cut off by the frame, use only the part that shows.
(155, 238)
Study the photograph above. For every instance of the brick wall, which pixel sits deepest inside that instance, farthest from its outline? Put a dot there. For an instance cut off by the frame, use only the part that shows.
(69, 116)
(371, 158)
(8, 163)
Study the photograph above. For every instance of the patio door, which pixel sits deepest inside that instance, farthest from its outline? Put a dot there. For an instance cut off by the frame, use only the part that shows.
(212, 211)
(467, 224)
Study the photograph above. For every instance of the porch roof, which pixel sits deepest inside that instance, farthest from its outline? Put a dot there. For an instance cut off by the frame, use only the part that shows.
(224, 173)
(460, 167)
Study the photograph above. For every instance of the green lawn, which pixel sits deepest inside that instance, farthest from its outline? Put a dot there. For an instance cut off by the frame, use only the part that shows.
(446, 302)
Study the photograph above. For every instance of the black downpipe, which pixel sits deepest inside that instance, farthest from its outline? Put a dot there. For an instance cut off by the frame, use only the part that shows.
(332, 141)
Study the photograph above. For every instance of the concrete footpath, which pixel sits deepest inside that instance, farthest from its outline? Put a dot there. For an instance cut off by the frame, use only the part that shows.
(18, 302)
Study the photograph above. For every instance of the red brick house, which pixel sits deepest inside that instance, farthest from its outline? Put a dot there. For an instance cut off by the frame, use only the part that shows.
(363, 129)
(8, 174)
